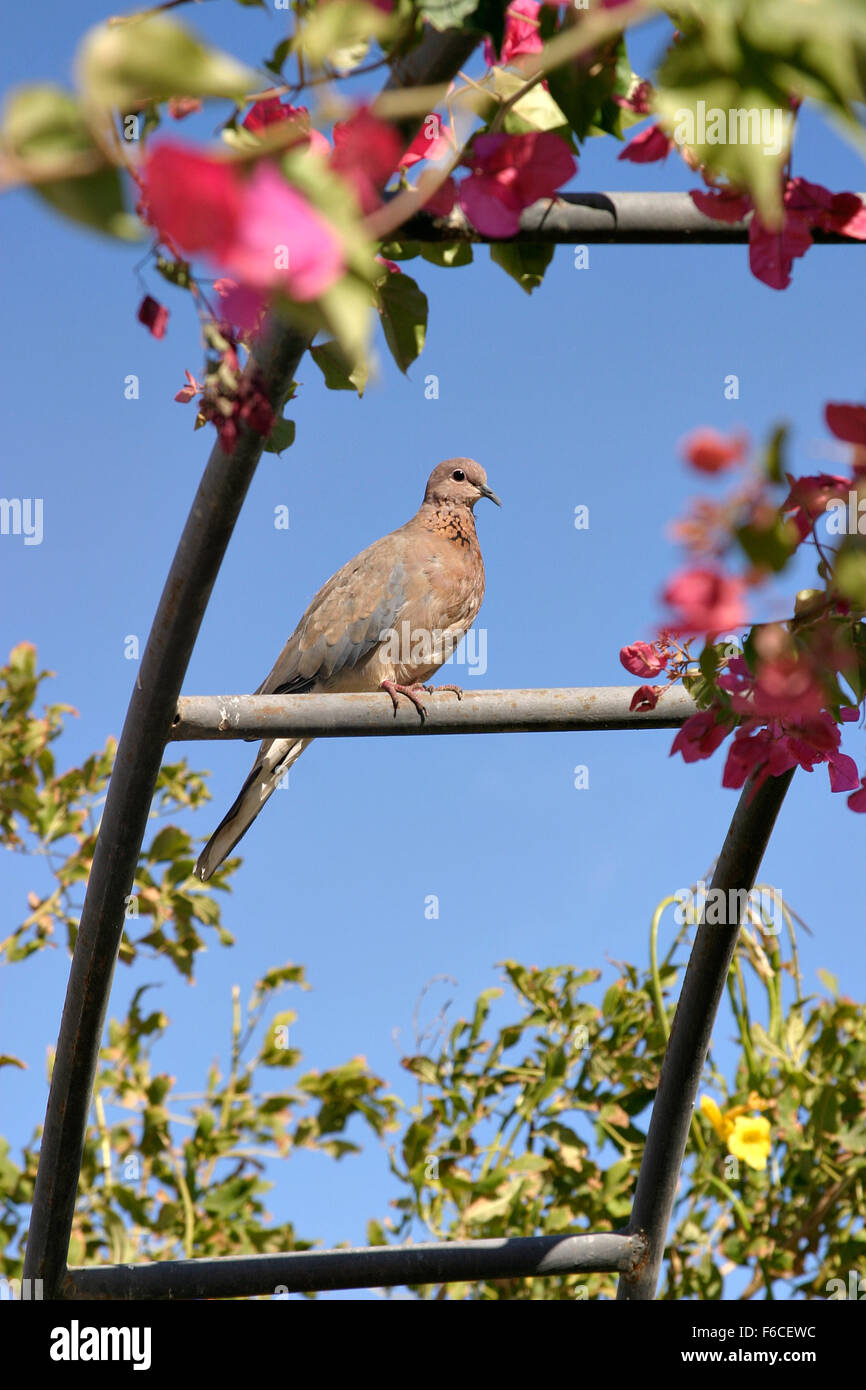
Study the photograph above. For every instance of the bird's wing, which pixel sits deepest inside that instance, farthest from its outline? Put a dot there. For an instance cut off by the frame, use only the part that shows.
(345, 620)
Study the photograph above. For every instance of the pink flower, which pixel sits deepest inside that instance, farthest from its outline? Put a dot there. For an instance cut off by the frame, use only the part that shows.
(722, 204)
(192, 388)
(282, 240)
(508, 173)
(805, 206)
(711, 452)
(645, 697)
(847, 422)
(642, 659)
(784, 687)
(700, 736)
(260, 228)
(522, 35)
(638, 99)
(194, 201)
(431, 142)
(440, 203)
(706, 601)
(652, 144)
(271, 111)
(808, 498)
(857, 801)
(153, 315)
(366, 153)
(180, 107)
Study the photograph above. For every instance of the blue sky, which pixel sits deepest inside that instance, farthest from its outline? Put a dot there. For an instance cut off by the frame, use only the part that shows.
(578, 395)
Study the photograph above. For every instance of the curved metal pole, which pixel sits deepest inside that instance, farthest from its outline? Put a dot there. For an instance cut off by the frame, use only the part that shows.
(146, 729)
(692, 1028)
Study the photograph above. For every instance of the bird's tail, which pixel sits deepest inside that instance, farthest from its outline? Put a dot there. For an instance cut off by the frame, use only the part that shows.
(275, 757)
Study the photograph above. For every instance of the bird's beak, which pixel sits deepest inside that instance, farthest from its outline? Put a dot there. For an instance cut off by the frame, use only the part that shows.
(488, 492)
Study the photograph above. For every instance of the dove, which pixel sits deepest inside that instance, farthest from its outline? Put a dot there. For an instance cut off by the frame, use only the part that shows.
(386, 621)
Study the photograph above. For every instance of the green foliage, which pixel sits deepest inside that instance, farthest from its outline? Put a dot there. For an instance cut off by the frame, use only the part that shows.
(534, 1126)
(164, 1175)
(524, 261)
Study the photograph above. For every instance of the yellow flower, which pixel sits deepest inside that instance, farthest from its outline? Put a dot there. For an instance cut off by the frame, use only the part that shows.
(720, 1123)
(750, 1140)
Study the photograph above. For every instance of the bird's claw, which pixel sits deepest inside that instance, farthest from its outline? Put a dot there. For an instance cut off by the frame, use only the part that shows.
(394, 690)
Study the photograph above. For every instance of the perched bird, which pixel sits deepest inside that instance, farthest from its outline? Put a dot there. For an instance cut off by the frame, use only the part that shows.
(386, 621)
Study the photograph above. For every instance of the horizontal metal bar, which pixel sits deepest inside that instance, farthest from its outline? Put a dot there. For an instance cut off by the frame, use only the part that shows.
(638, 218)
(478, 712)
(378, 1266)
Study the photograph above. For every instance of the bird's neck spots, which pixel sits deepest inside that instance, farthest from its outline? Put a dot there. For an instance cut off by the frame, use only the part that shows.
(452, 523)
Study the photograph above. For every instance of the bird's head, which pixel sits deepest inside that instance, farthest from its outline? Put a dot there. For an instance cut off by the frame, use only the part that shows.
(458, 483)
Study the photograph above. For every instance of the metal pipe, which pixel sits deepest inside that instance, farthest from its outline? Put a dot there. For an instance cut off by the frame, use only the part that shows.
(478, 712)
(626, 218)
(146, 729)
(707, 971)
(372, 1267)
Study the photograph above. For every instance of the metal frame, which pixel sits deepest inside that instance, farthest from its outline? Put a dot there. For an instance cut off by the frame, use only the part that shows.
(157, 715)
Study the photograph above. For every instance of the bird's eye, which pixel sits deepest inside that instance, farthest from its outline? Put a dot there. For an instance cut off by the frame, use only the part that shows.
(458, 475)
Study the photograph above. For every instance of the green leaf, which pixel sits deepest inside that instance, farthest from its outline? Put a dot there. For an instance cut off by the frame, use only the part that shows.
(128, 65)
(447, 253)
(771, 545)
(338, 373)
(44, 126)
(584, 90)
(535, 111)
(281, 437)
(774, 455)
(447, 14)
(341, 31)
(525, 262)
(403, 311)
(850, 574)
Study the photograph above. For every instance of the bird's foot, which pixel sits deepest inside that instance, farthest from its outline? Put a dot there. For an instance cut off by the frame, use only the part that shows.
(458, 689)
(410, 691)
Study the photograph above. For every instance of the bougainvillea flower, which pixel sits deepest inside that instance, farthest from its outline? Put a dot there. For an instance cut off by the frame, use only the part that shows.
(722, 204)
(642, 659)
(706, 600)
(808, 498)
(193, 200)
(857, 800)
(700, 736)
(638, 99)
(442, 201)
(181, 107)
(711, 452)
(153, 315)
(366, 153)
(192, 388)
(847, 422)
(522, 35)
(271, 111)
(805, 206)
(510, 172)
(259, 228)
(281, 239)
(433, 141)
(652, 144)
(645, 697)
(784, 687)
